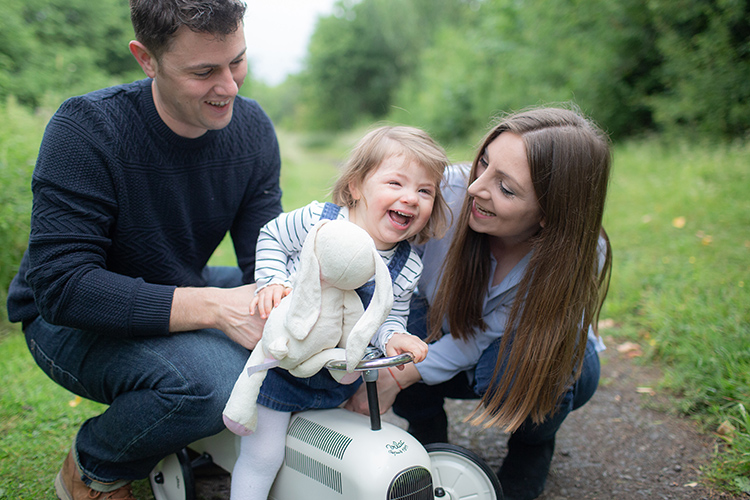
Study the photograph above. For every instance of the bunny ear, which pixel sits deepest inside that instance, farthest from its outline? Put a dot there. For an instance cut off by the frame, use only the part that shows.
(305, 304)
(374, 315)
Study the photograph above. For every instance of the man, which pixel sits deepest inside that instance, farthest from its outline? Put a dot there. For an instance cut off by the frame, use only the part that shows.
(134, 188)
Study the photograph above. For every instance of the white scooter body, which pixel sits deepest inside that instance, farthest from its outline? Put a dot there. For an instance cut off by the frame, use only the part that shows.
(338, 454)
(327, 454)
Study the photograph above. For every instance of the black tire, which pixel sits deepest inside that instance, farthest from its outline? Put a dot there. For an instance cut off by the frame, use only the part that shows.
(461, 473)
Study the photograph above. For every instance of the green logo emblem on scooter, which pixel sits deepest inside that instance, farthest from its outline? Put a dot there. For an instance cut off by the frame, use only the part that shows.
(397, 448)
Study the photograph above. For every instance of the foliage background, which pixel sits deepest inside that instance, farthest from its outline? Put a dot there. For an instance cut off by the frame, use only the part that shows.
(669, 79)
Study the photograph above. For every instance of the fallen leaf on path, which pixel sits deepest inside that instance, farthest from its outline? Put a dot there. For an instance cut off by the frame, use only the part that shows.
(726, 429)
(679, 222)
(606, 323)
(645, 390)
(630, 349)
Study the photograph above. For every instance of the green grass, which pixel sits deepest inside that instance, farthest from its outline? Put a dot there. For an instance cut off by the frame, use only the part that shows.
(678, 216)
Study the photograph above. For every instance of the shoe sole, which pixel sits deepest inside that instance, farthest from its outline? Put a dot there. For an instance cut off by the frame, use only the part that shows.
(60, 490)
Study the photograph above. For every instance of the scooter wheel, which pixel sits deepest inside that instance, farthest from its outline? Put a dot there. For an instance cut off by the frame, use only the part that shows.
(172, 478)
(458, 473)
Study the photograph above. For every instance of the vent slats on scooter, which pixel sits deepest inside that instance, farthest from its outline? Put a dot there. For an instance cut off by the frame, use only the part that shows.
(323, 438)
(412, 484)
(313, 469)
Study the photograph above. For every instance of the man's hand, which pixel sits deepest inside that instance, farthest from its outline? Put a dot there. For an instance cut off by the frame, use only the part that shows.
(226, 309)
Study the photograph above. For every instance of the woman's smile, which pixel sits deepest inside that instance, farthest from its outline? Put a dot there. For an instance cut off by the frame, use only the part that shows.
(481, 212)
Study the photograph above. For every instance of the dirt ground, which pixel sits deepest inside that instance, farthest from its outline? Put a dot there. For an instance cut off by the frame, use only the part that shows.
(619, 446)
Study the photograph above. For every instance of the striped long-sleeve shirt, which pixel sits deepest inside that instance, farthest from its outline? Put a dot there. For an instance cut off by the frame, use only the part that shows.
(277, 256)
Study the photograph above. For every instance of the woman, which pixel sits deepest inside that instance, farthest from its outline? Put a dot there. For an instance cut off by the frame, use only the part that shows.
(527, 256)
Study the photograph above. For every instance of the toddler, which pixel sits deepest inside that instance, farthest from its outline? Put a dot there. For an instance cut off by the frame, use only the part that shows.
(390, 187)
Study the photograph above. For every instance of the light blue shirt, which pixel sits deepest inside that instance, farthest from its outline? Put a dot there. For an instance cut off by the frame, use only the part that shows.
(449, 355)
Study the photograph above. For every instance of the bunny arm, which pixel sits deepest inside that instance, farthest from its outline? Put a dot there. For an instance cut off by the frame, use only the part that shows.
(355, 338)
(315, 363)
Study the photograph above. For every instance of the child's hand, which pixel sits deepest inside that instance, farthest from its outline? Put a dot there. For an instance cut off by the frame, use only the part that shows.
(400, 343)
(268, 298)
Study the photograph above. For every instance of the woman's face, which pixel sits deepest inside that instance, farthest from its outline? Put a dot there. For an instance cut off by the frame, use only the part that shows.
(504, 204)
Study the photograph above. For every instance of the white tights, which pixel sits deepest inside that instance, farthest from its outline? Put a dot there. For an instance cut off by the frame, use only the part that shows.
(261, 456)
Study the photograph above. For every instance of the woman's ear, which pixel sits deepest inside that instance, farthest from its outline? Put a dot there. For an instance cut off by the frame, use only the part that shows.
(143, 56)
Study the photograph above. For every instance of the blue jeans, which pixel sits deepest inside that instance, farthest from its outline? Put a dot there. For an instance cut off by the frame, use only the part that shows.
(163, 392)
(423, 402)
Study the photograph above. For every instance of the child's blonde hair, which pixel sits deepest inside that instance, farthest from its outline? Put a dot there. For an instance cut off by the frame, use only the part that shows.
(384, 142)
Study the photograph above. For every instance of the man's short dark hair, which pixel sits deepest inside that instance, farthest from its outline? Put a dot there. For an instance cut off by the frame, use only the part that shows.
(156, 21)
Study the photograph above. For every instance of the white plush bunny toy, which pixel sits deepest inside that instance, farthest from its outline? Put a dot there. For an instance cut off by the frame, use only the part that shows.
(321, 319)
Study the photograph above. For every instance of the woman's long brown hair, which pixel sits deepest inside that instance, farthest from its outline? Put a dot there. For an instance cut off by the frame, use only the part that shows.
(564, 286)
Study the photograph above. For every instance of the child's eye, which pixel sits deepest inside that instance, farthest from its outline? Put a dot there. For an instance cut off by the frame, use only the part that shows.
(426, 191)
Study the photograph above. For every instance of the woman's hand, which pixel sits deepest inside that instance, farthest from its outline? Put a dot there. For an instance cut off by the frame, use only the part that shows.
(390, 383)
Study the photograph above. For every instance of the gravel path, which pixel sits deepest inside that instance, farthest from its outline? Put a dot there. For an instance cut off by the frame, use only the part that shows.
(619, 446)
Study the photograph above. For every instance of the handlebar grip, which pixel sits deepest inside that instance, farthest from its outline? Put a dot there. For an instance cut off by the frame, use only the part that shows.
(372, 364)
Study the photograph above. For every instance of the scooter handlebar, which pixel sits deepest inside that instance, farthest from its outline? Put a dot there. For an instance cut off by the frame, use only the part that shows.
(372, 364)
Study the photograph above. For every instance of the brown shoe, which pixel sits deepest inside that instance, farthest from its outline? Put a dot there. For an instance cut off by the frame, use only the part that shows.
(70, 486)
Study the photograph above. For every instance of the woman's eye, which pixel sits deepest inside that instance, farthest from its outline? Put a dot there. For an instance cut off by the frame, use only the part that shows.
(506, 191)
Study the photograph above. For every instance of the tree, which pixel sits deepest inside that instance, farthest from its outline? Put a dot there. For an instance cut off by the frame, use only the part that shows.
(360, 55)
(63, 47)
(706, 71)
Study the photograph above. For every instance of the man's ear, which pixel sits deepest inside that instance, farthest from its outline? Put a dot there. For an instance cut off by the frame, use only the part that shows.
(144, 58)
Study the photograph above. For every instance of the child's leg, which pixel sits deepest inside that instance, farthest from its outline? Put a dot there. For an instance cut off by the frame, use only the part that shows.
(261, 456)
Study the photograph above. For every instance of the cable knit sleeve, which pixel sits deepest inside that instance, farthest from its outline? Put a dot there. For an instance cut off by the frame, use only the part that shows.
(73, 214)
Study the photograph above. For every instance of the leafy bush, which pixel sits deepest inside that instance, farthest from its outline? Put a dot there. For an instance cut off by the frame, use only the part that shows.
(706, 70)
(20, 135)
(63, 48)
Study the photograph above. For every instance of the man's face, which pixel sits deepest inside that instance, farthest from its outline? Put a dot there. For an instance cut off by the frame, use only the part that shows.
(197, 80)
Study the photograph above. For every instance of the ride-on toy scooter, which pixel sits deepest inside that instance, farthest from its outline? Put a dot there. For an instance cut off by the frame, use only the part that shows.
(338, 454)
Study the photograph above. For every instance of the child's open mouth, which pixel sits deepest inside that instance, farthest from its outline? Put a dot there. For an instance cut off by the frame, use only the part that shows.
(400, 218)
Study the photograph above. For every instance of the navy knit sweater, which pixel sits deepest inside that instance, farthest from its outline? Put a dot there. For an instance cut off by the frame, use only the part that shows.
(125, 210)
